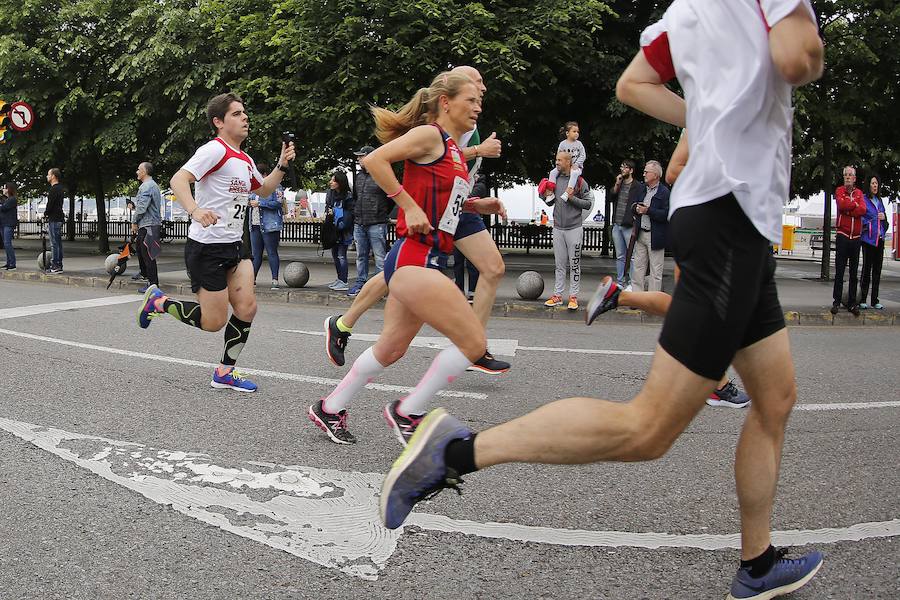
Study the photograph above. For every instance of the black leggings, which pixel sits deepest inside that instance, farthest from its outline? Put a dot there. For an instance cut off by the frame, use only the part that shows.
(873, 256)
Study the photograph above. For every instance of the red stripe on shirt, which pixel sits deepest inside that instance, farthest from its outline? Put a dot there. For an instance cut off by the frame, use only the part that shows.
(659, 56)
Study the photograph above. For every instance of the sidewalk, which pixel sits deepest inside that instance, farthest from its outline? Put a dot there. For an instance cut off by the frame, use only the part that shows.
(804, 297)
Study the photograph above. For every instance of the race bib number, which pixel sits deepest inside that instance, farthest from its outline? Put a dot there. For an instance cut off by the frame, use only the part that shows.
(237, 212)
(458, 195)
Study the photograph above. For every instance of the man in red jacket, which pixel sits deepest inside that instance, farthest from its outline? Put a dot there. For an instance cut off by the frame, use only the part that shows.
(850, 207)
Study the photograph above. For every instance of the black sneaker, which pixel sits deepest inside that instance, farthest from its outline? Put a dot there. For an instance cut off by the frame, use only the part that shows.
(854, 309)
(489, 365)
(12, 268)
(604, 299)
(333, 425)
(335, 341)
(835, 308)
(403, 427)
(729, 395)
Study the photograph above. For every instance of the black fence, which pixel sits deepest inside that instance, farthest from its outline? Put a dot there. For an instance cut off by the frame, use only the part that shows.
(514, 236)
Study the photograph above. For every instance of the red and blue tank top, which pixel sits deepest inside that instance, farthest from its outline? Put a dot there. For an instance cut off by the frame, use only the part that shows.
(431, 186)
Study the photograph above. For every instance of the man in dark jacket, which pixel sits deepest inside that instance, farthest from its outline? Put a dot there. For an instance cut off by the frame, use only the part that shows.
(850, 207)
(372, 210)
(55, 218)
(625, 194)
(652, 216)
(8, 221)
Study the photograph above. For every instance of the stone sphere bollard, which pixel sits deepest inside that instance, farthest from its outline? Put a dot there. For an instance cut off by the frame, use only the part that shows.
(110, 263)
(296, 275)
(43, 260)
(530, 285)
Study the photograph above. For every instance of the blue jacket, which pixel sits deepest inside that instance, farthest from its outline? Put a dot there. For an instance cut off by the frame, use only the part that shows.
(271, 217)
(8, 215)
(873, 230)
(658, 211)
(147, 204)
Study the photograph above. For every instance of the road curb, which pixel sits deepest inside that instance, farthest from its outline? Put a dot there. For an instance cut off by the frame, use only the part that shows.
(519, 309)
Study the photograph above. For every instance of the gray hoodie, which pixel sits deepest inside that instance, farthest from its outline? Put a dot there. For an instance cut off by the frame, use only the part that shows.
(570, 214)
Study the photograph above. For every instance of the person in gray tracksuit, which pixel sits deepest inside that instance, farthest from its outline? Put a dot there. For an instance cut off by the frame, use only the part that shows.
(568, 220)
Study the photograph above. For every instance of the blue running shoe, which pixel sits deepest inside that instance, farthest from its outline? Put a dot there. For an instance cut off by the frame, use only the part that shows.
(232, 380)
(785, 576)
(148, 306)
(420, 471)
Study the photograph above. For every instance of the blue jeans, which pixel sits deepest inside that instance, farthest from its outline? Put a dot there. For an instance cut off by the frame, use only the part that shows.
(367, 237)
(260, 239)
(339, 254)
(8, 245)
(620, 237)
(56, 258)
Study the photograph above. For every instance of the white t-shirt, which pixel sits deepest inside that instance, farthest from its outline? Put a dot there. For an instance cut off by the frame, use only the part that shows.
(225, 177)
(739, 110)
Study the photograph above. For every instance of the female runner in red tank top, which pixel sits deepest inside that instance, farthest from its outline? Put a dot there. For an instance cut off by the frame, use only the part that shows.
(434, 192)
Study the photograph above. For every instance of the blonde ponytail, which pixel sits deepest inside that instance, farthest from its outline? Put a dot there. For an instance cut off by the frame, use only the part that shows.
(421, 109)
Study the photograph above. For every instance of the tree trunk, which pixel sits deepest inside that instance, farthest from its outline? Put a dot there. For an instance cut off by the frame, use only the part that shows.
(70, 222)
(100, 194)
(826, 215)
(604, 249)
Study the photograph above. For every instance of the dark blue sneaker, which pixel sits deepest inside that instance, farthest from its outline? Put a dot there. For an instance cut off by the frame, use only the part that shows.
(354, 291)
(606, 298)
(148, 306)
(232, 380)
(785, 576)
(420, 471)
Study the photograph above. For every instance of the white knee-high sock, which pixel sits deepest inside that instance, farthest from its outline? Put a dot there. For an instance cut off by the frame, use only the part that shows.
(446, 366)
(363, 370)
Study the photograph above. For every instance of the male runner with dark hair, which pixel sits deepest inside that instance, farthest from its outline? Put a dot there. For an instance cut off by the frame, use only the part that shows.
(737, 62)
(217, 253)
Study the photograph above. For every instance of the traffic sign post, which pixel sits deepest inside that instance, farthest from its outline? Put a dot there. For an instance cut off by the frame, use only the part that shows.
(21, 116)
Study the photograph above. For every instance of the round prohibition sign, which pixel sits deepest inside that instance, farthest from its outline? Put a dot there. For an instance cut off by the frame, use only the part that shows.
(21, 116)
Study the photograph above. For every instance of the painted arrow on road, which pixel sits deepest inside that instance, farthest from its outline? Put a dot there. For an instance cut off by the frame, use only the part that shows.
(330, 517)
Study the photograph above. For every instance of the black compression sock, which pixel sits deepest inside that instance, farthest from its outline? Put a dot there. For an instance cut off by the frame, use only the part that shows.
(236, 334)
(184, 310)
(460, 455)
(761, 565)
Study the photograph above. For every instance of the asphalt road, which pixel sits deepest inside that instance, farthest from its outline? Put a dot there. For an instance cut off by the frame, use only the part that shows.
(70, 532)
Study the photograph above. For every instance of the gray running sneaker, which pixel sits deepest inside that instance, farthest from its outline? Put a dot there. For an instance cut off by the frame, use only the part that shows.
(729, 395)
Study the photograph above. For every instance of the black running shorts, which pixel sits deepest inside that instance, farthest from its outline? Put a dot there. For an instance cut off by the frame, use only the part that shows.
(208, 265)
(726, 298)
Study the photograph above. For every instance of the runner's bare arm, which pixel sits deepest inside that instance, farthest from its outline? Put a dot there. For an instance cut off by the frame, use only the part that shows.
(489, 148)
(181, 187)
(273, 179)
(640, 87)
(420, 144)
(796, 47)
(679, 159)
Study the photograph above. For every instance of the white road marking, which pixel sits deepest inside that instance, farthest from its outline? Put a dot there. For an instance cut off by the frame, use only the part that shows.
(499, 346)
(586, 351)
(848, 405)
(246, 371)
(330, 517)
(41, 309)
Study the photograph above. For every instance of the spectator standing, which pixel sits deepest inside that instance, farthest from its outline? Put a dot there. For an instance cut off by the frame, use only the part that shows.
(145, 222)
(874, 228)
(339, 203)
(545, 220)
(266, 223)
(652, 216)
(599, 218)
(8, 221)
(851, 206)
(55, 218)
(626, 191)
(568, 230)
(372, 208)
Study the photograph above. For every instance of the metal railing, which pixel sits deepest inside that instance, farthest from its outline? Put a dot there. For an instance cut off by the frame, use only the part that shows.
(514, 236)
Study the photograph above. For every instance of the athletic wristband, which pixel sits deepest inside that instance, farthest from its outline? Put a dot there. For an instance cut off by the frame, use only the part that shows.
(281, 168)
(476, 150)
(395, 194)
